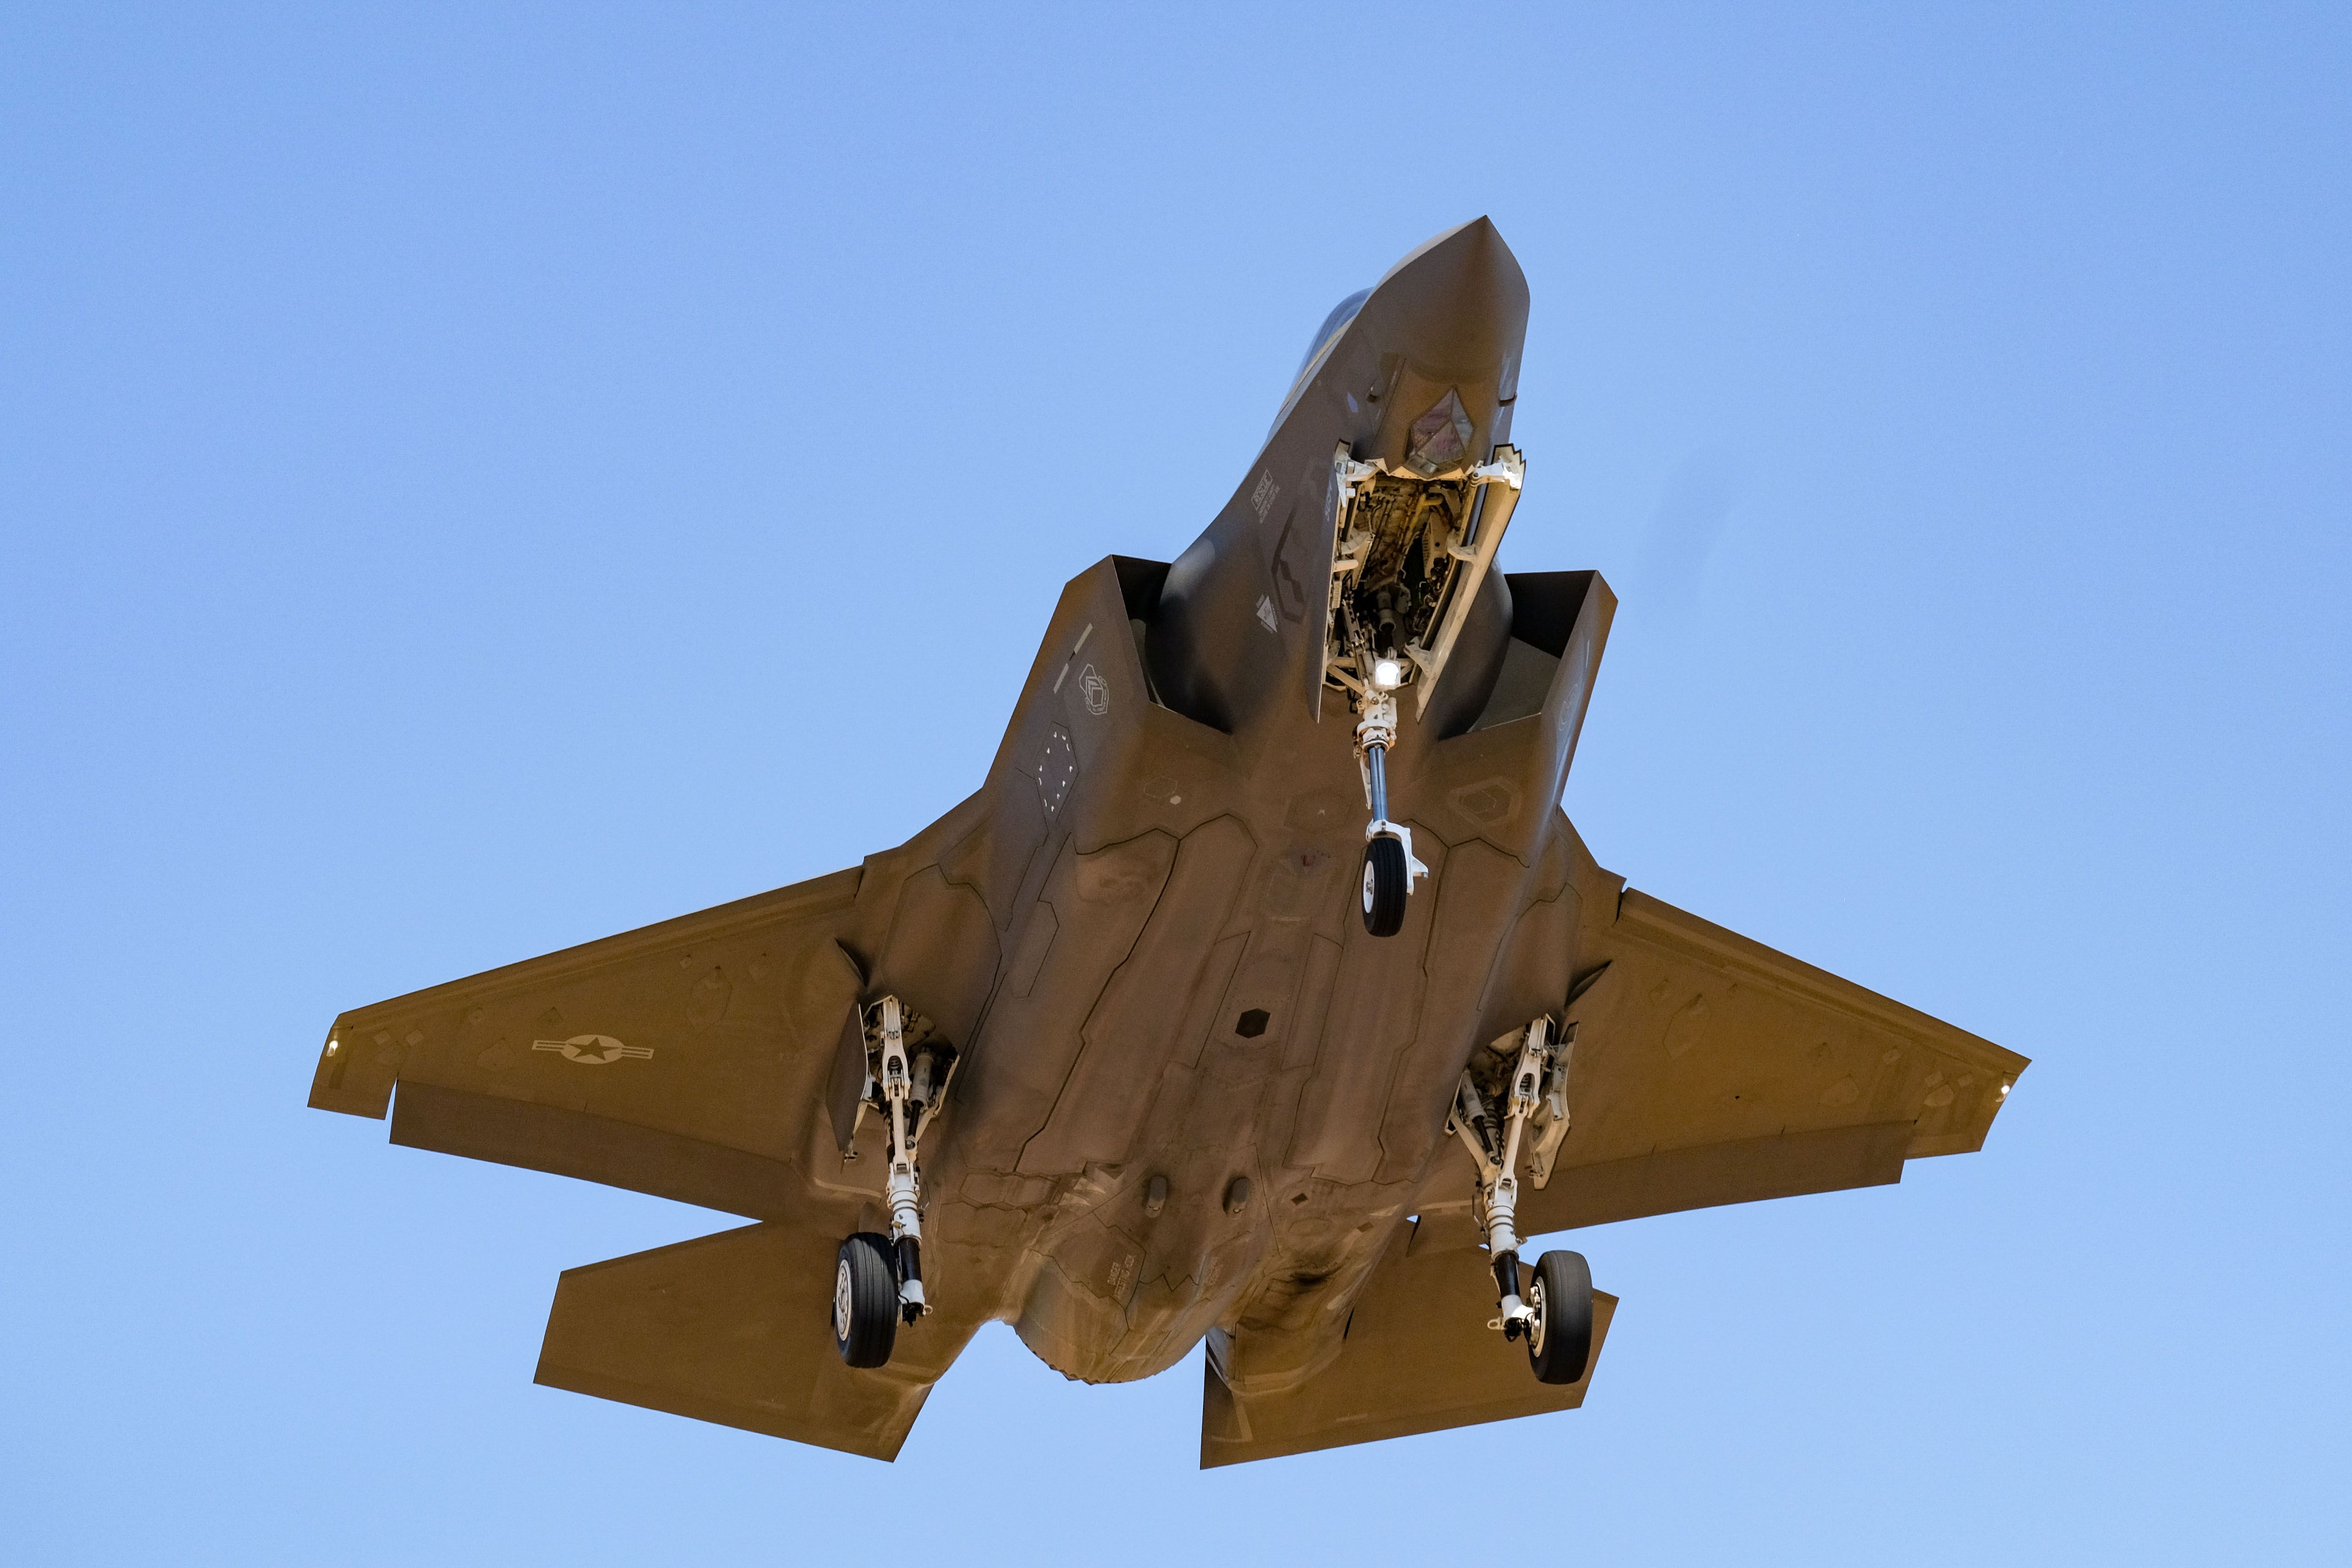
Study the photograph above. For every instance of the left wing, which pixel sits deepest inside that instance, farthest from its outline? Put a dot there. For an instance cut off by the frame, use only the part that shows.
(690, 1060)
(686, 1059)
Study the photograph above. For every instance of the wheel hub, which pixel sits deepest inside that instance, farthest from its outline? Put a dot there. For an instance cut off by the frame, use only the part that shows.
(841, 1302)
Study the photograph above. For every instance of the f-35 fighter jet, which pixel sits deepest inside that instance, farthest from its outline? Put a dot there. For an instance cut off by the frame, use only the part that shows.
(1260, 995)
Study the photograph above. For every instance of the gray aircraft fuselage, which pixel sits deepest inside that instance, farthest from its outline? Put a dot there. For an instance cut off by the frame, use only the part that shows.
(1201, 1097)
(1113, 1049)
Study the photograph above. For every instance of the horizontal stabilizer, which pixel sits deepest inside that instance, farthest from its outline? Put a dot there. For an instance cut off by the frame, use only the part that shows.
(1418, 1357)
(735, 1328)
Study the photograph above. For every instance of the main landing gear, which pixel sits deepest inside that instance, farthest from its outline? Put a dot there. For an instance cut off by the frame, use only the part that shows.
(878, 1279)
(1523, 1077)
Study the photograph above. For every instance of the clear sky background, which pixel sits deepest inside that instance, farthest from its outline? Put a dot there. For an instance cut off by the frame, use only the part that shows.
(475, 479)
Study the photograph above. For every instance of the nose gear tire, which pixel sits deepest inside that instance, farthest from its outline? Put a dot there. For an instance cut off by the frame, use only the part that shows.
(1560, 1336)
(1385, 887)
(866, 1300)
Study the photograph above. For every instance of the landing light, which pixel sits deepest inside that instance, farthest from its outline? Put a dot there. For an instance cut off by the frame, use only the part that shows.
(1387, 674)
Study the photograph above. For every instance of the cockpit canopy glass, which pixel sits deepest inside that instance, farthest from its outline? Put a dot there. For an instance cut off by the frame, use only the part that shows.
(1342, 314)
(1333, 325)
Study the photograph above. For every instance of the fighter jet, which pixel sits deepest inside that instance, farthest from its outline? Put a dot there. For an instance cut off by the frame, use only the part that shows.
(1262, 994)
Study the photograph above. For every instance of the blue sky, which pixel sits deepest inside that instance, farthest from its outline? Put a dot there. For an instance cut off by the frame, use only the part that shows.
(475, 479)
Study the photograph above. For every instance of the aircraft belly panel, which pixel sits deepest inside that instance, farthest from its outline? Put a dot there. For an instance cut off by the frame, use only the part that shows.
(1475, 907)
(995, 858)
(1149, 1011)
(1374, 1004)
(1532, 972)
(1098, 902)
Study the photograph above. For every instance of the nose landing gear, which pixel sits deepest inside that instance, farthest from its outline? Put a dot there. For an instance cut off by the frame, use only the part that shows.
(1390, 865)
(1529, 1084)
(1409, 549)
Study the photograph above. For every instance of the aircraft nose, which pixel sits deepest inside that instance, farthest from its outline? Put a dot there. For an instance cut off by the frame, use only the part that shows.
(1458, 304)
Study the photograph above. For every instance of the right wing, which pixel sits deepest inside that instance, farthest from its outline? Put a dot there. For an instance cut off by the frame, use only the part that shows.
(1709, 1069)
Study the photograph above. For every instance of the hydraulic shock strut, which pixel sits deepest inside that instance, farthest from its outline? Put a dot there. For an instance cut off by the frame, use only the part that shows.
(903, 1190)
(1498, 1183)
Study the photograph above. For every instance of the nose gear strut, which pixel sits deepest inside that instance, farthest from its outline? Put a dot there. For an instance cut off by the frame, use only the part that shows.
(1390, 867)
(1408, 550)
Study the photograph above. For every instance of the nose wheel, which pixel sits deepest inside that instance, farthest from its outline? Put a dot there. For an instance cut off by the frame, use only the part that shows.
(1385, 885)
(1390, 866)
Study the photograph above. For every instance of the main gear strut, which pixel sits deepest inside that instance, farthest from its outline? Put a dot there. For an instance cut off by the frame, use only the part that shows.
(908, 1077)
(1521, 1080)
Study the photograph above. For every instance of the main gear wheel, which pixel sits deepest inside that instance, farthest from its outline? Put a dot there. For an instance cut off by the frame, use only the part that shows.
(866, 1300)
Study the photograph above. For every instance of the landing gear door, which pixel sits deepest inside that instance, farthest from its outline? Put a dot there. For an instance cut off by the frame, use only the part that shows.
(1498, 482)
(1323, 594)
(845, 1092)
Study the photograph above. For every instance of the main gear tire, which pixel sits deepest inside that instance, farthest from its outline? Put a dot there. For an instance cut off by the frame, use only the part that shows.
(1385, 887)
(1560, 1334)
(866, 1300)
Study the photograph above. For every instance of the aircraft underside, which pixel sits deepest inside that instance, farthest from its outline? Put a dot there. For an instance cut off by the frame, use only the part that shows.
(1262, 996)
